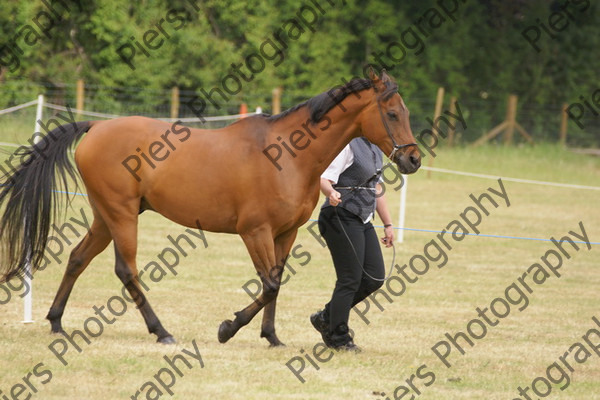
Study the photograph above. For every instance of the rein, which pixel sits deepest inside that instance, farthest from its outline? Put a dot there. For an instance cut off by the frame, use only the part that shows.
(353, 188)
(356, 254)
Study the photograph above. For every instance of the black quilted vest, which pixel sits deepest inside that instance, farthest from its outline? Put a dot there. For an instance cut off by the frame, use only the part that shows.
(357, 183)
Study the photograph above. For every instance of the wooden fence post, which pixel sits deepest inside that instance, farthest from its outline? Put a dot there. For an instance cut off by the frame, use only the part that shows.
(511, 118)
(563, 125)
(508, 125)
(175, 102)
(276, 102)
(439, 101)
(80, 95)
(451, 128)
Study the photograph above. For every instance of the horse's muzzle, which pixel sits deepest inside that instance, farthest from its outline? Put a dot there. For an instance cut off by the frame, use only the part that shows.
(408, 162)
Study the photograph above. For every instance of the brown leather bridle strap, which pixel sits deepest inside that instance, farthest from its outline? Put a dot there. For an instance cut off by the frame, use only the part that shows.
(387, 129)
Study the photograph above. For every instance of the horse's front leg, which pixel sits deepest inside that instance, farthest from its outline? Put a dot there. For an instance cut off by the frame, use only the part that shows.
(229, 328)
(283, 244)
(260, 245)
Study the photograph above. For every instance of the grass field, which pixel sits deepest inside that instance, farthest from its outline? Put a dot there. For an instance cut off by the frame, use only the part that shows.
(398, 340)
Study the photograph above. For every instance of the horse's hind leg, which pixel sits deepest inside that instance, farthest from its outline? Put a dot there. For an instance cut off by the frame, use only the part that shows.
(96, 240)
(259, 243)
(127, 273)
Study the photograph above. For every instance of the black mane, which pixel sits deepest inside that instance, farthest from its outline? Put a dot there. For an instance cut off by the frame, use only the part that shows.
(320, 105)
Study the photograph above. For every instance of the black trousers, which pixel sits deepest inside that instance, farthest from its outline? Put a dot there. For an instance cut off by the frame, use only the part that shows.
(353, 285)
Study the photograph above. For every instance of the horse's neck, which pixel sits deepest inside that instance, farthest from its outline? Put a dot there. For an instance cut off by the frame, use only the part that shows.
(316, 145)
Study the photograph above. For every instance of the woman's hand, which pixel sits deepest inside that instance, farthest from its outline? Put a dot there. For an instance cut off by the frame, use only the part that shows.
(334, 197)
(384, 214)
(388, 240)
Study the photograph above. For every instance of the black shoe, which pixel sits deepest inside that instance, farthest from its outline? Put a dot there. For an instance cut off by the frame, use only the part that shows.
(321, 324)
(342, 339)
(348, 346)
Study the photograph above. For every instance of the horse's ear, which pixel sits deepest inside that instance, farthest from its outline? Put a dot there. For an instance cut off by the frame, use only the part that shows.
(376, 81)
(385, 77)
(372, 75)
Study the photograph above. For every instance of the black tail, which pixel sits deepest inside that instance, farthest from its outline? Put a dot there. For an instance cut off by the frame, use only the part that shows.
(29, 194)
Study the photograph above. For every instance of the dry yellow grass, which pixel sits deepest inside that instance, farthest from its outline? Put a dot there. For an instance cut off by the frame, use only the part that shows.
(208, 289)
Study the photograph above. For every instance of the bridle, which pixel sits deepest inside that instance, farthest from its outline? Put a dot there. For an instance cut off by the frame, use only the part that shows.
(387, 129)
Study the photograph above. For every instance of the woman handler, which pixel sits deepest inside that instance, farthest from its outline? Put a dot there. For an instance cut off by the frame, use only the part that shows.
(350, 185)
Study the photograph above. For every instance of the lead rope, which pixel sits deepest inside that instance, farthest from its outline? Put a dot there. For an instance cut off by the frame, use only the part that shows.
(356, 255)
(352, 245)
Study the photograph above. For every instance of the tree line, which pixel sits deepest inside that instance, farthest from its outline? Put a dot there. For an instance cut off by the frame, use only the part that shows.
(227, 51)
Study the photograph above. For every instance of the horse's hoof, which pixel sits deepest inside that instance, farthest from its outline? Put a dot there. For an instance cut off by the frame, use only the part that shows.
(166, 340)
(273, 339)
(225, 331)
(55, 326)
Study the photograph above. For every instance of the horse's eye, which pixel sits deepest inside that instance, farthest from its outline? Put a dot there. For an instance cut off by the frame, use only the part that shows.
(393, 116)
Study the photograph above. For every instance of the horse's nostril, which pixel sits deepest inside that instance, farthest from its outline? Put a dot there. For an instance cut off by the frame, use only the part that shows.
(414, 160)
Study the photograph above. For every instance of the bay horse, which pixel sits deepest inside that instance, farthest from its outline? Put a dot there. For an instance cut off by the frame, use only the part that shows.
(224, 180)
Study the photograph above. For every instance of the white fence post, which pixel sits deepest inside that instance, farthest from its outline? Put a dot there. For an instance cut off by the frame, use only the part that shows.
(28, 299)
(402, 208)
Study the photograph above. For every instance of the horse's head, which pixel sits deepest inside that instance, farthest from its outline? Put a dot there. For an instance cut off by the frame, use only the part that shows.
(385, 123)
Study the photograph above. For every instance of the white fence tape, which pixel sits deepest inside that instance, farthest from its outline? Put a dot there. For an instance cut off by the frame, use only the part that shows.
(193, 119)
(519, 180)
(20, 106)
